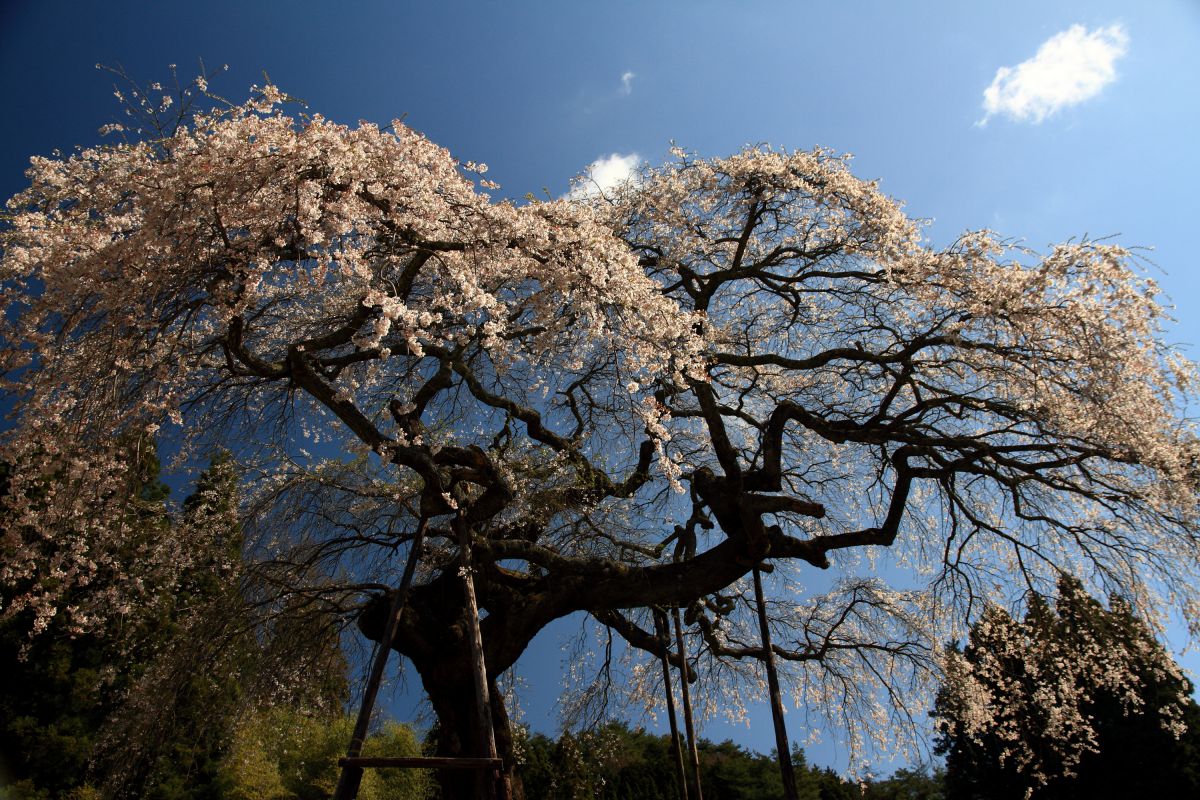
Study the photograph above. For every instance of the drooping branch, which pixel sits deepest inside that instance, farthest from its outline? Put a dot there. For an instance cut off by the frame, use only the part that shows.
(643, 640)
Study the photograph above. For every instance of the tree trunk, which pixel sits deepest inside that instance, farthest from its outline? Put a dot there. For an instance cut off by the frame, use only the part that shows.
(451, 692)
(435, 634)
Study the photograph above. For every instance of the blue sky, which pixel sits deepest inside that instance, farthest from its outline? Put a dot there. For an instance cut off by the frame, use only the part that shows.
(539, 90)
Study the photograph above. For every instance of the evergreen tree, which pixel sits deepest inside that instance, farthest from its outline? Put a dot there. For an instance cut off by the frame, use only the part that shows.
(617, 762)
(219, 663)
(147, 707)
(908, 784)
(730, 771)
(1063, 666)
(62, 687)
(166, 740)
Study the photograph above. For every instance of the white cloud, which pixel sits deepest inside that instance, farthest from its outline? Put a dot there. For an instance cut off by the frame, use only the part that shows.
(1069, 67)
(627, 82)
(605, 174)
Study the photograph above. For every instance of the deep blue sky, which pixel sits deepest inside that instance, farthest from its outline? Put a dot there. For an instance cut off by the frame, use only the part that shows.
(535, 90)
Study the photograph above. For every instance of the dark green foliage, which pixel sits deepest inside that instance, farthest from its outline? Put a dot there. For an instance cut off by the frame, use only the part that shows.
(165, 739)
(907, 784)
(1136, 755)
(620, 763)
(728, 770)
(285, 754)
(537, 763)
(148, 709)
(53, 705)
(193, 690)
(60, 689)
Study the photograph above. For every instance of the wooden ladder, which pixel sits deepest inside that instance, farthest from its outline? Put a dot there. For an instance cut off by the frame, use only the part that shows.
(353, 763)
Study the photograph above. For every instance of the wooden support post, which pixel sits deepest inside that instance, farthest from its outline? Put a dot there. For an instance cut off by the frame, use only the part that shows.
(664, 639)
(495, 785)
(781, 740)
(351, 776)
(687, 702)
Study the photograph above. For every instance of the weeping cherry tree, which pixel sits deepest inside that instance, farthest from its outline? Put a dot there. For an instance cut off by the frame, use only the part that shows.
(622, 401)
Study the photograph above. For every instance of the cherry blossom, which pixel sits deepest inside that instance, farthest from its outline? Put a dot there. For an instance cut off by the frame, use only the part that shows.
(623, 400)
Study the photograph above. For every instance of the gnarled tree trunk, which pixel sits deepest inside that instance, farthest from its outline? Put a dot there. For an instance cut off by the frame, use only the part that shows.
(435, 636)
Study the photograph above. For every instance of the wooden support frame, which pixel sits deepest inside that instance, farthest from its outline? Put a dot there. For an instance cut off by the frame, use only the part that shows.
(687, 702)
(351, 776)
(498, 785)
(353, 763)
(664, 639)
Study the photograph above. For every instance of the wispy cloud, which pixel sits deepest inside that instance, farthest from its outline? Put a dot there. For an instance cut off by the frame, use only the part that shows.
(1069, 67)
(627, 82)
(604, 175)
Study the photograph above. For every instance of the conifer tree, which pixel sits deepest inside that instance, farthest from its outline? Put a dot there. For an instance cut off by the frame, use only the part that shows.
(1076, 700)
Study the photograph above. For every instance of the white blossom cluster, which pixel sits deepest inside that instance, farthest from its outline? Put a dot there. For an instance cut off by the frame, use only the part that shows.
(132, 273)
(1029, 691)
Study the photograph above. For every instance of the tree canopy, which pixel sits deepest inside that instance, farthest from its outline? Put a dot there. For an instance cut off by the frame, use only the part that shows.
(1076, 700)
(619, 400)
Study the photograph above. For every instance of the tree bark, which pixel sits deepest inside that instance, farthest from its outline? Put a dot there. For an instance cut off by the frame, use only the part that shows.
(451, 692)
(435, 634)
(435, 630)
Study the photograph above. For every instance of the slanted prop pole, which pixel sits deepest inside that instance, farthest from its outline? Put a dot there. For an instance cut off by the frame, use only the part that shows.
(496, 788)
(687, 702)
(781, 739)
(664, 639)
(351, 776)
